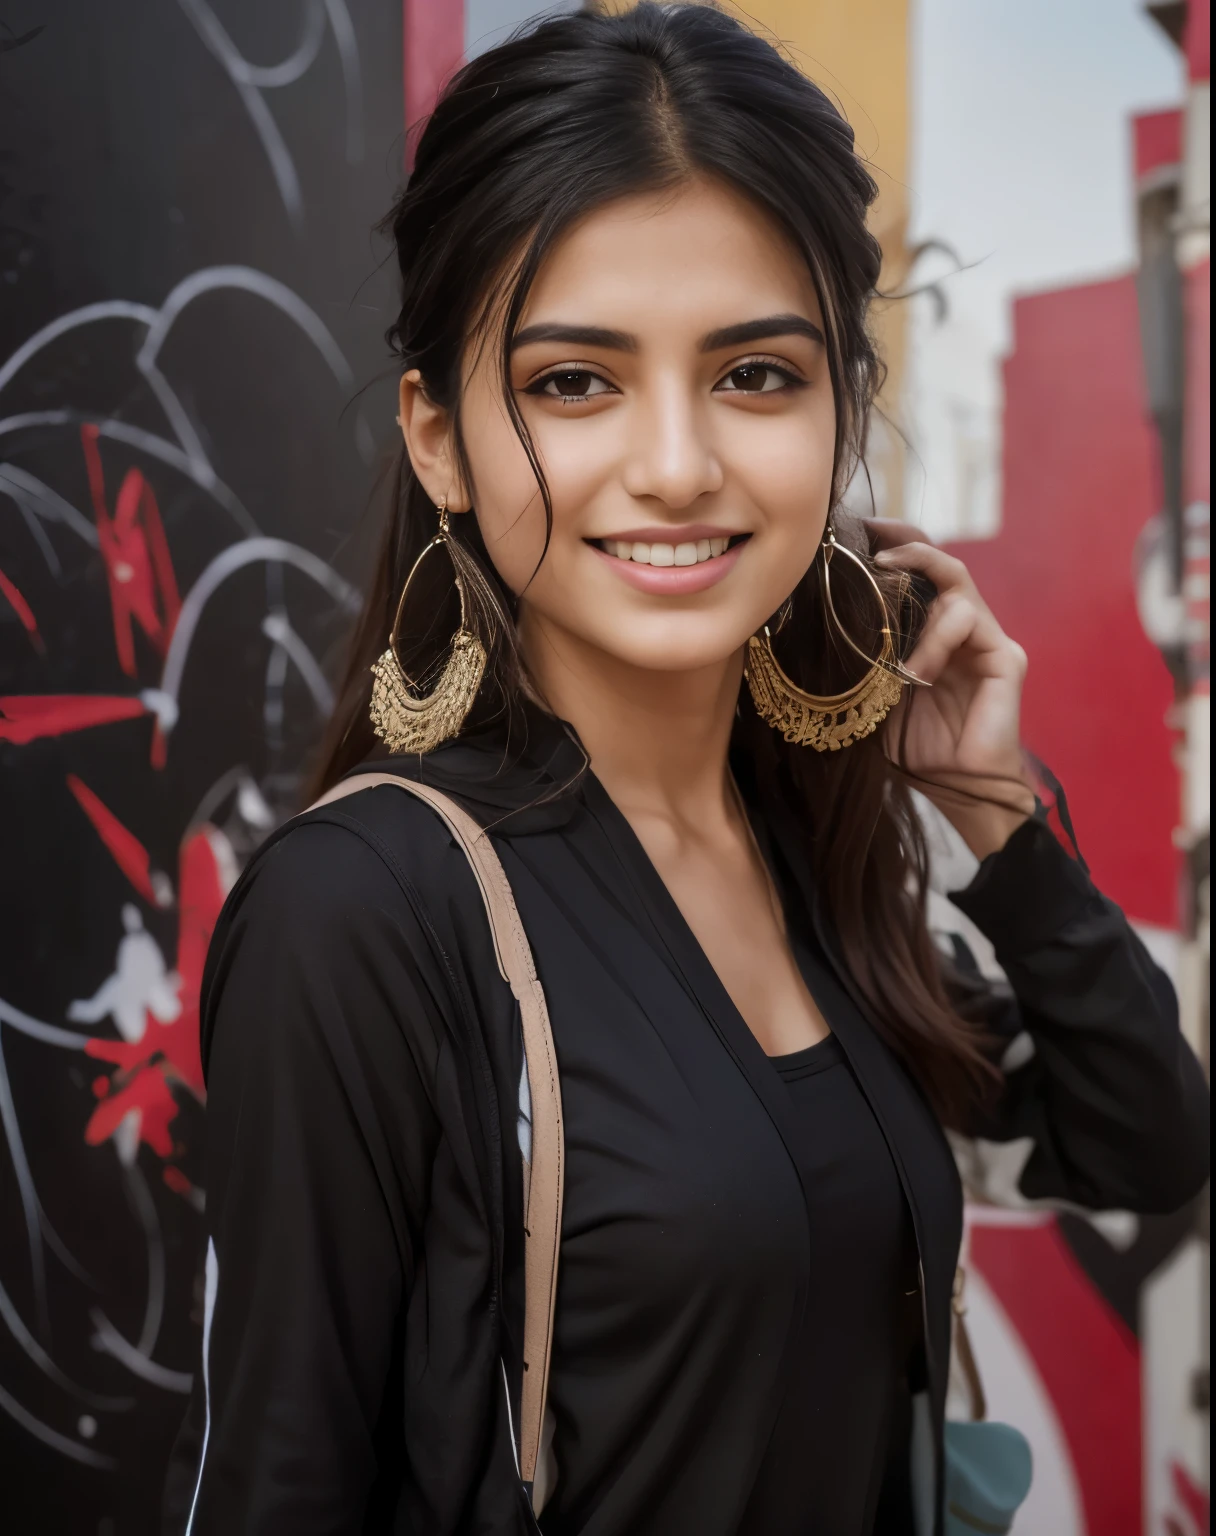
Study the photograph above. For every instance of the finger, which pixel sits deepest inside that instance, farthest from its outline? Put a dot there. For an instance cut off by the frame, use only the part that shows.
(890, 532)
(946, 572)
(953, 620)
(957, 623)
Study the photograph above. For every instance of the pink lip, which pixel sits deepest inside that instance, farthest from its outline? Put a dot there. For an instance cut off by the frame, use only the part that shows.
(672, 580)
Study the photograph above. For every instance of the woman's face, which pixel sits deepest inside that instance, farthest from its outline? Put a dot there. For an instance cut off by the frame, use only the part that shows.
(671, 370)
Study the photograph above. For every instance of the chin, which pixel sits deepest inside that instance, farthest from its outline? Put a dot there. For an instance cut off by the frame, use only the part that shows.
(675, 652)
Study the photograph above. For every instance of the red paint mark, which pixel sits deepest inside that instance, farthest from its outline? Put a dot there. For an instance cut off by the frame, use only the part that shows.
(22, 609)
(433, 36)
(1087, 1359)
(1199, 40)
(128, 852)
(1081, 480)
(178, 1182)
(206, 871)
(148, 1092)
(168, 1056)
(1193, 1499)
(1157, 141)
(26, 717)
(143, 588)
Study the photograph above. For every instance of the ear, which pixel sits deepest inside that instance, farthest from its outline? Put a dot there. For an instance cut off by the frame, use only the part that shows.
(430, 441)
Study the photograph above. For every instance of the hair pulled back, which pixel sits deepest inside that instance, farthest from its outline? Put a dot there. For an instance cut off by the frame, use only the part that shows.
(563, 118)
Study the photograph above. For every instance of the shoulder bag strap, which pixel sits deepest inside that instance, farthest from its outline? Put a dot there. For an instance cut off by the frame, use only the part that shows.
(963, 1350)
(544, 1181)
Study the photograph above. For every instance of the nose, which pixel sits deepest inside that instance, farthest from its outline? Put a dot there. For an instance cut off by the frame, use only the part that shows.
(672, 456)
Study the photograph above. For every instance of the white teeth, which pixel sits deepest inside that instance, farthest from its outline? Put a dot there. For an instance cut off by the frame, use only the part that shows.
(689, 553)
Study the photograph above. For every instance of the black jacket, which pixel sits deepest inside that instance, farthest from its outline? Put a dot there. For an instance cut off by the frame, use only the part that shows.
(362, 1344)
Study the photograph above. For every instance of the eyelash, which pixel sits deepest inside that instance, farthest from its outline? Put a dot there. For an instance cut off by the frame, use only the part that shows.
(791, 379)
(537, 387)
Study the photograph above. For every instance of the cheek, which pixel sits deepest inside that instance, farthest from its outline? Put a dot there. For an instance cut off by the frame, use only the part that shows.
(577, 455)
(785, 465)
(509, 507)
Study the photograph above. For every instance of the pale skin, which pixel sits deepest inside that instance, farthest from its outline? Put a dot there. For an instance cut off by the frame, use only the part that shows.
(655, 416)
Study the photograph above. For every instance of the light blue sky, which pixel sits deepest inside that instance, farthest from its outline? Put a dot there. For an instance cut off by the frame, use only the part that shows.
(487, 22)
(1022, 162)
(1021, 144)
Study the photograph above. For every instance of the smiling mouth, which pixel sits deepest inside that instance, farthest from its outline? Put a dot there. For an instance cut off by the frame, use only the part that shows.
(692, 552)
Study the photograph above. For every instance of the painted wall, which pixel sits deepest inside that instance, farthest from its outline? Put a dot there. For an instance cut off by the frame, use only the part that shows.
(189, 305)
(1085, 1330)
(1080, 483)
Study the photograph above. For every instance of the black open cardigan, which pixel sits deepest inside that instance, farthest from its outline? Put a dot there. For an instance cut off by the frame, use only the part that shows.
(365, 1291)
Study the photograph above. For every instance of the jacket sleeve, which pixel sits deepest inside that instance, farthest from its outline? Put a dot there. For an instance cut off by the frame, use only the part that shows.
(1113, 1100)
(320, 1037)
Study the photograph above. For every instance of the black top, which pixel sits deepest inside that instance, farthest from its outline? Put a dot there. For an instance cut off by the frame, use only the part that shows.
(689, 1256)
(682, 1253)
(362, 1356)
(823, 1471)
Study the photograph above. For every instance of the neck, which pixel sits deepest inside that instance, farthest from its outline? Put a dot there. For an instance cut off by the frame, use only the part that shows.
(658, 741)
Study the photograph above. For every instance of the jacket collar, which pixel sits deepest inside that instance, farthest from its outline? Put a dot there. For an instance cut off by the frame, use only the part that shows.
(514, 778)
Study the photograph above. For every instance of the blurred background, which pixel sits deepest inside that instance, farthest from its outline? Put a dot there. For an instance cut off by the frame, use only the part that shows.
(194, 406)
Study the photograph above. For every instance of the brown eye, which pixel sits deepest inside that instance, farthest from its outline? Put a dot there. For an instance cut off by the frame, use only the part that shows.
(757, 379)
(570, 384)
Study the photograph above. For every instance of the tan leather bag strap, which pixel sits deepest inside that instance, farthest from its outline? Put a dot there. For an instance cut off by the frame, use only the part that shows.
(544, 1181)
(963, 1349)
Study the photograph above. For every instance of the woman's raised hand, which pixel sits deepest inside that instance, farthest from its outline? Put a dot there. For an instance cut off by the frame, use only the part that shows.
(960, 738)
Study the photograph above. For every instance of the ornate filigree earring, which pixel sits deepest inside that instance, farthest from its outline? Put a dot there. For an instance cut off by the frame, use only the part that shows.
(402, 718)
(828, 722)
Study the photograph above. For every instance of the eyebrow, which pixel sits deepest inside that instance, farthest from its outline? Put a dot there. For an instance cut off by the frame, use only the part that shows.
(576, 336)
(761, 330)
(621, 341)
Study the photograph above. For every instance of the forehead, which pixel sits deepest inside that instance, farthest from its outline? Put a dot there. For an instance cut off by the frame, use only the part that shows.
(697, 256)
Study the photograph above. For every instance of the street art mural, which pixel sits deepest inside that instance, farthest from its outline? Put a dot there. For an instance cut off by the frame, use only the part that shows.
(1080, 1322)
(192, 310)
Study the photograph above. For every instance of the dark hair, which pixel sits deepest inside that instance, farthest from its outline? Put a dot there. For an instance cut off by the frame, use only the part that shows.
(563, 118)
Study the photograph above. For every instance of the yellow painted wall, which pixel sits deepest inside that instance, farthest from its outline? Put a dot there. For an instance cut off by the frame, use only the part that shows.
(857, 51)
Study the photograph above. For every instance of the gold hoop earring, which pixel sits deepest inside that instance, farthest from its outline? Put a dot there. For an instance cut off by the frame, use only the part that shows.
(828, 722)
(402, 719)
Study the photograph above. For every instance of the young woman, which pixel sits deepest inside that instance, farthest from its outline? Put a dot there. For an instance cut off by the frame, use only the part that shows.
(636, 378)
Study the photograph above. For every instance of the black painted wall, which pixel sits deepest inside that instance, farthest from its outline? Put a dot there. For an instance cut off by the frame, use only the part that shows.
(190, 302)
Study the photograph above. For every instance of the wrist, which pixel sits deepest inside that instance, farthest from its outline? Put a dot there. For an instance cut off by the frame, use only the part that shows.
(985, 815)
